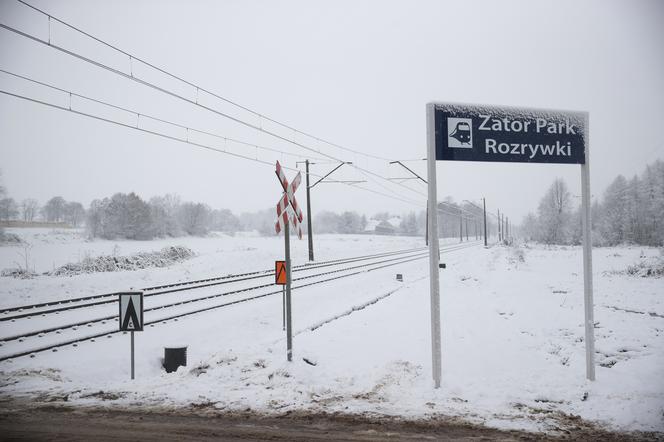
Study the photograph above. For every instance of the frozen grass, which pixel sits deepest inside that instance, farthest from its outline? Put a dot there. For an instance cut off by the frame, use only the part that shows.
(110, 263)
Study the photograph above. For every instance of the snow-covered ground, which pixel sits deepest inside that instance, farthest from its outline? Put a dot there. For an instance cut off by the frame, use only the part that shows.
(512, 323)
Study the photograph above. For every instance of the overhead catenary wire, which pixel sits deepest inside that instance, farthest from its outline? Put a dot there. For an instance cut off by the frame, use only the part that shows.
(188, 100)
(170, 137)
(152, 117)
(133, 58)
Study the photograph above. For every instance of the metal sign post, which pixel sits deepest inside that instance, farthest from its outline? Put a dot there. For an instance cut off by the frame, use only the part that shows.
(288, 213)
(131, 317)
(465, 132)
(484, 208)
(434, 285)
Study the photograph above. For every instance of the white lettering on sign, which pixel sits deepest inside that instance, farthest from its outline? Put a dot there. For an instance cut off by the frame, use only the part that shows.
(558, 149)
(541, 125)
(554, 128)
(503, 124)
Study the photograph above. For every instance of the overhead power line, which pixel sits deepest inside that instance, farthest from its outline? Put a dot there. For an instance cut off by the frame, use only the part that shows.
(173, 138)
(152, 117)
(134, 78)
(133, 57)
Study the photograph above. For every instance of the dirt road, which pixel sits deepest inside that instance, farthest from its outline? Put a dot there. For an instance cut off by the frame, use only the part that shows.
(44, 423)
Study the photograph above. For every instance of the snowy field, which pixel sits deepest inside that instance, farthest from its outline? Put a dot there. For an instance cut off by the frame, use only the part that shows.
(512, 322)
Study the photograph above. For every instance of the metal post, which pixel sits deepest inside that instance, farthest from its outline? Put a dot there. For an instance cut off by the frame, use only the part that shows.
(426, 232)
(502, 226)
(500, 238)
(587, 265)
(434, 285)
(283, 307)
(132, 354)
(310, 232)
(484, 206)
(289, 321)
(504, 229)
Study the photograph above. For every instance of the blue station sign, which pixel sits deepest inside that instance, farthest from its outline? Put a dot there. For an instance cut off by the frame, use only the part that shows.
(466, 132)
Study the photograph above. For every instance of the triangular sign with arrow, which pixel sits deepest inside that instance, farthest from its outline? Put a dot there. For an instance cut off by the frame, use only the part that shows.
(130, 321)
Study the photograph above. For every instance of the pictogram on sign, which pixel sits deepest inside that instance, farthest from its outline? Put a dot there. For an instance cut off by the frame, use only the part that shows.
(131, 311)
(280, 272)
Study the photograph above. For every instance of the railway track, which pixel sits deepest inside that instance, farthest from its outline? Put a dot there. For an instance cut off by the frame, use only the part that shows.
(26, 343)
(41, 309)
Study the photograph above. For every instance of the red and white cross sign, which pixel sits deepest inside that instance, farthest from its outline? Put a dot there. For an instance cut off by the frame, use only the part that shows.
(287, 207)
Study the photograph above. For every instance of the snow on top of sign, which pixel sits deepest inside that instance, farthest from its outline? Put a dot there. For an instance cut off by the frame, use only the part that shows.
(578, 118)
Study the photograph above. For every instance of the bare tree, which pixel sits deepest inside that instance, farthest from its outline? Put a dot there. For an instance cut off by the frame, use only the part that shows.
(194, 218)
(74, 213)
(554, 212)
(164, 211)
(29, 207)
(8, 209)
(53, 210)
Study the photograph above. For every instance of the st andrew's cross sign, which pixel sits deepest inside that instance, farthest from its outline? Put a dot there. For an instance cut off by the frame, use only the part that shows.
(288, 213)
(466, 132)
(287, 206)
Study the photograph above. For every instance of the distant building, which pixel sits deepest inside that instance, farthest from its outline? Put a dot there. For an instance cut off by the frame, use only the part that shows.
(385, 228)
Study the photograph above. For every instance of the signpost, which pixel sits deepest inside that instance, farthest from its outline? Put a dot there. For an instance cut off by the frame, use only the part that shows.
(465, 132)
(131, 317)
(288, 213)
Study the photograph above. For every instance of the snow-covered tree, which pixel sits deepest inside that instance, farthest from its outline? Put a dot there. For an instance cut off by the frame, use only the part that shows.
(614, 218)
(224, 221)
(53, 210)
(164, 214)
(29, 208)
(409, 225)
(74, 213)
(554, 214)
(350, 222)
(194, 218)
(8, 209)
(327, 222)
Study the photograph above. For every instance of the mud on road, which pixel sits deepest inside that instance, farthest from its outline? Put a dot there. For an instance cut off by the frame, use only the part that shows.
(39, 422)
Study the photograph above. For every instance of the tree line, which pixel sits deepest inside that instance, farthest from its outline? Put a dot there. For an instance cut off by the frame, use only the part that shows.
(630, 211)
(56, 210)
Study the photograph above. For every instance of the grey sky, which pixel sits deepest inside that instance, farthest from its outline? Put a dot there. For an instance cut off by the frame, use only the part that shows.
(355, 73)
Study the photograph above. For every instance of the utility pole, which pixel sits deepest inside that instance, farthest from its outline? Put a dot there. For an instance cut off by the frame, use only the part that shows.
(502, 226)
(484, 206)
(500, 232)
(310, 236)
(426, 229)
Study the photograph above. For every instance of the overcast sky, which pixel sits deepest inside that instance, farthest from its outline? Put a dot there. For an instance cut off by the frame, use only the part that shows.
(355, 73)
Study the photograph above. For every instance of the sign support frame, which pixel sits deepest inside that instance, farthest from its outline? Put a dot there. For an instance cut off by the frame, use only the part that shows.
(434, 280)
(434, 277)
(132, 355)
(289, 322)
(587, 261)
(138, 317)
